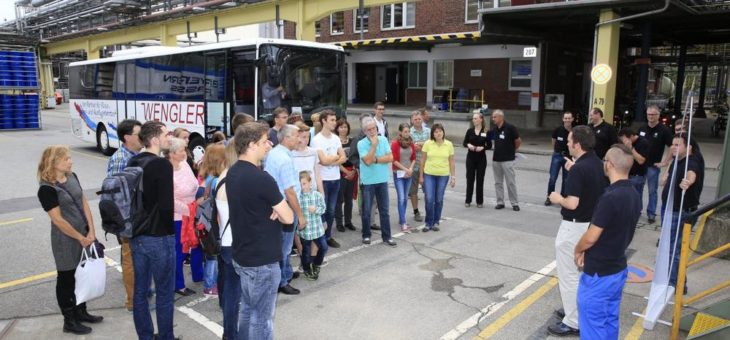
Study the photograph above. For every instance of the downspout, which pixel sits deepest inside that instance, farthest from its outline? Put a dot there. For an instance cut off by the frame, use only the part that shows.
(595, 37)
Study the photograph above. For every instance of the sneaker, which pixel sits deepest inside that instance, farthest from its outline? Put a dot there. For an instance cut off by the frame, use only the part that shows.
(651, 220)
(391, 243)
(405, 229)
(417, 217)
(211, 291)
(375, 227)
(340, 228)
(186, 261)
(435, 228)
(366, 240)
(332, 243)
(309, 275)
(466, 205)
(185, 292)
(480, 205)
(516, 207)
(499, 206)
(316, 269)
(547, 202)
(426, 229)
(350, 226)
(561, 329)
(324, 264)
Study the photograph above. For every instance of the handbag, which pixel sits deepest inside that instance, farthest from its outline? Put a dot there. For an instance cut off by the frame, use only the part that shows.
(90, 276)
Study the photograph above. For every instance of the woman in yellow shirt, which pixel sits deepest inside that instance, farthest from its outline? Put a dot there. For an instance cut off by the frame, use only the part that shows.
(437, 162)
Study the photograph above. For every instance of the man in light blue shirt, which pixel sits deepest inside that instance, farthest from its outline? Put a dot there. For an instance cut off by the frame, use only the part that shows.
(375, 159)
(280, 165)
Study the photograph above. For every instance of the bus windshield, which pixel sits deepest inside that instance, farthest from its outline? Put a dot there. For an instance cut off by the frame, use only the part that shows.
(303, 80)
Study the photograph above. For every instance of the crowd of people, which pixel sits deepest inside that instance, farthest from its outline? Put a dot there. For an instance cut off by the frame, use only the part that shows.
(283, 190)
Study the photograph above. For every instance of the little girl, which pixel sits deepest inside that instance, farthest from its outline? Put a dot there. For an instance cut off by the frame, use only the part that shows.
(312, 203)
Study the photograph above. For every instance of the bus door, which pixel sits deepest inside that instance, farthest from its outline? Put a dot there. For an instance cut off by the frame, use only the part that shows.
(131, 92)
(216, 110)
(243, 74)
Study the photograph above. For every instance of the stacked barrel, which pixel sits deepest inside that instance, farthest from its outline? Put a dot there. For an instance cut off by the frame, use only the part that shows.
(18, 109)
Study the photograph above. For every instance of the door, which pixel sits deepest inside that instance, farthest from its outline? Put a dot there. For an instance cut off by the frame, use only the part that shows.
(215, 93)
(365, 88)
(391, 85)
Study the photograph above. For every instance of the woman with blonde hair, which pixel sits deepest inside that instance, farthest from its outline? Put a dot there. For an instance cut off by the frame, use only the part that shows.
(213, 165)
(72, 228)
(185, 185)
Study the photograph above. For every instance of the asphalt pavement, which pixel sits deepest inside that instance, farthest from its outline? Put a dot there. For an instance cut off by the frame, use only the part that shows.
(487, 273)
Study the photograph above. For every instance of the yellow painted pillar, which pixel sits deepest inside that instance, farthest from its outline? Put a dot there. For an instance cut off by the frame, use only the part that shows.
(45, 73)
(91, 52)
(604, 92)
(167, 39)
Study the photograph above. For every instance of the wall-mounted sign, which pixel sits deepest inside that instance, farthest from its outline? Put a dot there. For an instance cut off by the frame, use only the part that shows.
(476, 73)
(529, 52)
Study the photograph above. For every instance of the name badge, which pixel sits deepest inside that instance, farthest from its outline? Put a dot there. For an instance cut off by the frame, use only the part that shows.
(560, 139)
(598, 131)
(656, 134)
(501, 136)
(483, 134)
(642, 134)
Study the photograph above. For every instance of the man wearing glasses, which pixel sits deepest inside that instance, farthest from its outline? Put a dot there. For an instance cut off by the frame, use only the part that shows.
(585, 185)
(280, 116)
(659, 137)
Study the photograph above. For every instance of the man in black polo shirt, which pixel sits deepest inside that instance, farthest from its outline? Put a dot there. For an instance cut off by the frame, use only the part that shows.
(640, 150)
(560, 151)
(601, 251)
(691, 183)
(659, 137)
(585, 185)
(257, 211)
(696, 153)
(506, 141)
(605, 133)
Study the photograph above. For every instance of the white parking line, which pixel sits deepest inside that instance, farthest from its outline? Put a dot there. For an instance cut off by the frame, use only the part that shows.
(202, 320)
(495, 306)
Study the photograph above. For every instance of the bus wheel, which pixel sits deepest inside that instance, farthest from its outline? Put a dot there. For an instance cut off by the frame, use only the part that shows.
(196, 143)
(102, 141)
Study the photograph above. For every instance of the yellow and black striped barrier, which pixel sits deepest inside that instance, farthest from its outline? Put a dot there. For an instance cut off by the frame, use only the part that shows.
(413, 39)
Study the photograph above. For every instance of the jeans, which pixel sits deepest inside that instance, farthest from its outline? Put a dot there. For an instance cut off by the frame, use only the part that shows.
(599, 302)
(652, 182)
(476, 166)
(196, 261)
(379, 193)
(210, 277)
(402, 186)
(322, 247)
(345, 197)
(287, 239)
(331, 191)
(434, 187)
(638, 183)
(258, 301)
(229, 292)
(154, 259)
(557, 162)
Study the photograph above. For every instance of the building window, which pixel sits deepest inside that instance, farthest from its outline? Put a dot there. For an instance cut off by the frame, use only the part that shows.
(365, 19)
(443, 74)
(317, 28)
(417, 74)
(472, 10)
(337, 23)
(399, 15)
(520, 76)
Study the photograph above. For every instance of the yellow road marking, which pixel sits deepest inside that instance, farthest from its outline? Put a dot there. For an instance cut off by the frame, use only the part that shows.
(27, 279)
(516, 311)
(89, 155)
(637, 329)
(16, 221)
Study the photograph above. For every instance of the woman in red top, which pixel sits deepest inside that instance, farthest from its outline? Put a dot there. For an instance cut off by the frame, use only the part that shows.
(404, 159)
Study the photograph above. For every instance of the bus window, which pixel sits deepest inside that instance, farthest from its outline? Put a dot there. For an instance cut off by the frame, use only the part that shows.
(244, 76)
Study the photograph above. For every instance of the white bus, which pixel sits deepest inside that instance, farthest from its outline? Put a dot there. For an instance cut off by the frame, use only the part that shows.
(200, 88)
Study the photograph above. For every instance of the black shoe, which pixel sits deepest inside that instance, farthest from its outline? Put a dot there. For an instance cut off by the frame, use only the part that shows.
(561, 329)
(435, 228)
(547, 202)
(289, 290)
(560, 313)
(83, 315)
(391, 243)
(332, 243)
(499, 206)
(516, 207)
(651, 220)
(294, 276)
(350, 226)
(185, 292)
(71, 323)
(340, 228)
(375, 227)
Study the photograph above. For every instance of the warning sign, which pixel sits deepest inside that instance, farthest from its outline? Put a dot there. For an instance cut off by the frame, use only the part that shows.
(601, 74)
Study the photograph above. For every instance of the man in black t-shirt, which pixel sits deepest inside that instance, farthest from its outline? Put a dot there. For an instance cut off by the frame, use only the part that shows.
(690, 183)
(560, 151)
(659, 137)
(153, 248)
(605, 133)
(640, 151)
(585, 185)
(601, 251)
(506, 142)
(257, 211)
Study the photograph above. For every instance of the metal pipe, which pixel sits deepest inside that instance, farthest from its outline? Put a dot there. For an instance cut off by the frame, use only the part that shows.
(39, 3)
(278, 22)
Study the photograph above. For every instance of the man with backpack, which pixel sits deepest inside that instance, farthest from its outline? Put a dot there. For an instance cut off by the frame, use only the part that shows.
(153, 244)
(128, 132)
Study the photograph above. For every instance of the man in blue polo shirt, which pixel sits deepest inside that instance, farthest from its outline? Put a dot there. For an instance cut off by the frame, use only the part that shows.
(585, 185)
(375, 159)
(601, 251)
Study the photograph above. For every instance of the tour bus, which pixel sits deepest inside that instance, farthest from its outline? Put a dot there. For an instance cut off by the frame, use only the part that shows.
(201, 87)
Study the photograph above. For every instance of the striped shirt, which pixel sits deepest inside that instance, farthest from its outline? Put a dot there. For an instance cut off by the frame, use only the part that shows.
(314, 228)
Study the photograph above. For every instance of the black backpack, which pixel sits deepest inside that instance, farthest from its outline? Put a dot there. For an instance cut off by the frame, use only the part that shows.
(206, 223)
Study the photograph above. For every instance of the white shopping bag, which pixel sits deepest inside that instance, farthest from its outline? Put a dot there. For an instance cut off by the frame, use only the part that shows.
(90, 276)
